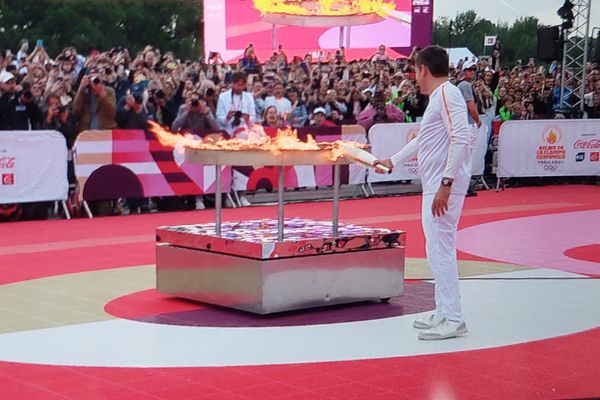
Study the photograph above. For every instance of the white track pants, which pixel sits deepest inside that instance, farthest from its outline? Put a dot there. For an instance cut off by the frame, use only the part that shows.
(440, 239)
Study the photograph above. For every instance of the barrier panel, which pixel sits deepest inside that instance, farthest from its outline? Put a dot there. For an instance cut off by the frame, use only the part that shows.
(265, 177)
(111, 164)
(388, 139)
(33, 167)
(549, 148)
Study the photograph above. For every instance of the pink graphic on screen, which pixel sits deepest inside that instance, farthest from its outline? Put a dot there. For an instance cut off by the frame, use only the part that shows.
(231, 25)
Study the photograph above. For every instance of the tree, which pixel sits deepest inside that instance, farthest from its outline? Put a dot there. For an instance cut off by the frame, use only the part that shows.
(173, 25)
(519, 39)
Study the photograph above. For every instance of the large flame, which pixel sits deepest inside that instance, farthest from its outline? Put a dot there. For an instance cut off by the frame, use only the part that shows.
(324, 7)
(253, 139)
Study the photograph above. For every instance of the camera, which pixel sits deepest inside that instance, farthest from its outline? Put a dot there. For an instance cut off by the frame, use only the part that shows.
(62, 109)
(139, 99)
(195, 103)
(96, 80)
(237, 119)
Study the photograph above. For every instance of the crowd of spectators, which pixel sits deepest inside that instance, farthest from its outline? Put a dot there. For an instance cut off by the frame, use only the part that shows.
(105, 90)
(71, 92)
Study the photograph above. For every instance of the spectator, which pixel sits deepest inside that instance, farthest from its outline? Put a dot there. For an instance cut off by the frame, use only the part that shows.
(379, 113)
(320, 119)
(8, 92)
(506, 111)
(281, 103)
(95, 104)
(132, 115)
(272, 119)
(195, 117)
(22, 113)
(298, 114)
(235, 108)
(58, 118)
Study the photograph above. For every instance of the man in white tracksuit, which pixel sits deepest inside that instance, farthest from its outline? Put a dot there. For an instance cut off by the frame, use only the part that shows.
(443, 150)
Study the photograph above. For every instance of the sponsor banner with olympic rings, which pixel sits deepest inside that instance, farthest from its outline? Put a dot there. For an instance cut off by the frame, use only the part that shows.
(549, 148)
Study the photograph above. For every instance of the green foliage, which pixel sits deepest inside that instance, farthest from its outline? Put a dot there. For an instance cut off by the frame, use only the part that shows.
(173, 25)
(519, 39)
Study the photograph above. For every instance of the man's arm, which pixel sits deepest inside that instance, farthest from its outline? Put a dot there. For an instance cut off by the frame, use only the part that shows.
(473, 112)
(406, 153)
(454, 116)
(467, 93)
(221, 112)
(251, 108)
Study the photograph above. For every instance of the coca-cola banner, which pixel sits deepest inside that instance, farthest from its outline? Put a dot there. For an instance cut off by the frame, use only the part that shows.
(387, 139)
(549, 148)
(33, 166)
(110, 164)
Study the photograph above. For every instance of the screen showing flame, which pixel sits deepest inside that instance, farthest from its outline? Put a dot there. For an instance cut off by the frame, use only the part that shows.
(324, 7)
(255, 139)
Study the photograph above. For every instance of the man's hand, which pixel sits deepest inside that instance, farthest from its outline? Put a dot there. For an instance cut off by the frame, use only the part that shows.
(386, 163)
(440, 201)
(479, 122)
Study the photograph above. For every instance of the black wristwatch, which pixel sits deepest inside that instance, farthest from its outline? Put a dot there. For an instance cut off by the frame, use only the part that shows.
(447, 182)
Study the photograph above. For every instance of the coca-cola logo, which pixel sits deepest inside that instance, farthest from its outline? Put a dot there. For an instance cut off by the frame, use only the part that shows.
(7, 162)
(586, 144)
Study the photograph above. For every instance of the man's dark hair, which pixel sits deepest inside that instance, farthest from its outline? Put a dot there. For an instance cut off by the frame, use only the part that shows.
(435, 59)
(239, 76)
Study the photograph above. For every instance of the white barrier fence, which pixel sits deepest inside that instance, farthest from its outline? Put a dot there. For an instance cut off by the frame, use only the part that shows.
(387, 139)
(33, 166)
(549, 148)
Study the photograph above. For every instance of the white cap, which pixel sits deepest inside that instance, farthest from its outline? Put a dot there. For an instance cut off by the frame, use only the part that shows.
(6, 76)
(320, 110)
(469, 65)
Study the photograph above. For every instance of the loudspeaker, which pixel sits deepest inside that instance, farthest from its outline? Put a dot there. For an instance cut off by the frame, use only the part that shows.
(549, 44)
(596, 55)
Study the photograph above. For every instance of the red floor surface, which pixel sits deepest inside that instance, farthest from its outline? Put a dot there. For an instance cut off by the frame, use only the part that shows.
(562, 367)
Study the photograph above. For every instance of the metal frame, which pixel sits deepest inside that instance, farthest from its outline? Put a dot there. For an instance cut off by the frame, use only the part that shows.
(280, 200)
(576, 42)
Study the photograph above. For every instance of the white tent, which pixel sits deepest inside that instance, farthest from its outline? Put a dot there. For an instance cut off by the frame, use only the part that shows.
(459, 53)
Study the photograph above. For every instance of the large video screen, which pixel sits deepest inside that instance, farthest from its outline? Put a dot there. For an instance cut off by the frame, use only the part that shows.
(318, 27)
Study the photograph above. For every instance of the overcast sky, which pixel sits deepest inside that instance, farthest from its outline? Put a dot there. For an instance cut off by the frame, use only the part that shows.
(509, 10)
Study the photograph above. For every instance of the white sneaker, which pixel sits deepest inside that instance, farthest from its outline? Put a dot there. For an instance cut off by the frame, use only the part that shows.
(429, 322)
(446, 330)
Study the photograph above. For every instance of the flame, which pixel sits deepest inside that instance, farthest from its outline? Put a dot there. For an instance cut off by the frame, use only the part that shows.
(324, 7)
(552, 137)
(251, 140)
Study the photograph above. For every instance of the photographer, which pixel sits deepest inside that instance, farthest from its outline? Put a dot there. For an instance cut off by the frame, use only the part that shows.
(235, 109)
(58, 118)
(158, 110)
(95, 104)
(133, 115)
(379, 113)
(195, 117)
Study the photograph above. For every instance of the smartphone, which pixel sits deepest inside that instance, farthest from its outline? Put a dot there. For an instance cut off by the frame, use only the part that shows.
(39, 43)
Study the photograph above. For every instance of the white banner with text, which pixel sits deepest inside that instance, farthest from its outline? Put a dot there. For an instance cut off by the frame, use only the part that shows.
(549, 148)
(388, 139)
(33, 166)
